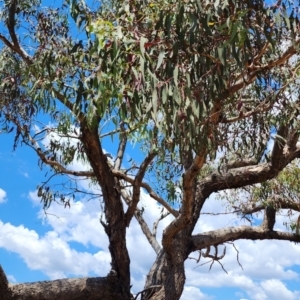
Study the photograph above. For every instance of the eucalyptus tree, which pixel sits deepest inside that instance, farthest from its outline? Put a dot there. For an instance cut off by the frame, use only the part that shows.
(198, 85)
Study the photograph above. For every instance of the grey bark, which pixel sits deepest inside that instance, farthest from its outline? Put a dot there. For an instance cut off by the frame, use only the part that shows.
(100, 288)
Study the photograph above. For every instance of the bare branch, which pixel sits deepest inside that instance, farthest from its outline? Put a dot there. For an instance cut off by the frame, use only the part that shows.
(237, 254)
(138, 215)
(121, 149)
(148, 292)
(150, 191)
(214, 258)
(240, 177)
(137, 186)
(109, 133)
(150, 237)
(277, 201)
(155, 225)
(229, 234)
(54, 164)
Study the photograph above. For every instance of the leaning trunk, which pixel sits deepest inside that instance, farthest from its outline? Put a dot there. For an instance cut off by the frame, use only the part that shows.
(115, 226)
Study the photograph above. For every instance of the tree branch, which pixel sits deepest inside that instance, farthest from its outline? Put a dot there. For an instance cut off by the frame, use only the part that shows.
(188, 207)
(155, 225)
(108, 288)
(137, 186)
(269, 218)
(121, 149)
(277, 201)
(11, 29)
(138, 215)
(69, 105)
(260, 108)
(277, 151)
(241, 163)
(150, 191)
(216, 237)
(54, 164)
(240, 177)
(250, 74)
(187, 198)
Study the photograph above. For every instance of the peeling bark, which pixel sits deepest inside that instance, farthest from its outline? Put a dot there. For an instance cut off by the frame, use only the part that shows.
(106, 288)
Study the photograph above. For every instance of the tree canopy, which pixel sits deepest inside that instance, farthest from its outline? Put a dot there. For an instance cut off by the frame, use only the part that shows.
(207, 89)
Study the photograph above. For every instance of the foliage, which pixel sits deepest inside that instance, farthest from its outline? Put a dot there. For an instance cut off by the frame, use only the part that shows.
(170, 62)
(200, 86)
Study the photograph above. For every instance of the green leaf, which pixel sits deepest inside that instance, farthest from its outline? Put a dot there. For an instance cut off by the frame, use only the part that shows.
(143, 40)
(222, 55)
(160, 59)
(164, 96)
(175, 75)
(154, 101)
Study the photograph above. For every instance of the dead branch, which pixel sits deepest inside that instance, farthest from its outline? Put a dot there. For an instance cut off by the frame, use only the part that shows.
(155, 225)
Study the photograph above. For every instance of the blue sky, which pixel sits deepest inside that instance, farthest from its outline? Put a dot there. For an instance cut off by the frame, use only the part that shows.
(72, 243)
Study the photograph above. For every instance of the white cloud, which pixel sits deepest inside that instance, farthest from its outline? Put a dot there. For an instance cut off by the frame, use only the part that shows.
(11, 278)
(276, 290)
(2, 196)
(193, 293)
(79, 223)
(265, 263)
(50, 253)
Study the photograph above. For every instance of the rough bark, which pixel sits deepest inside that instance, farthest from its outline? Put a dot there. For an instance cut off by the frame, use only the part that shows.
(5, 293)
(115, 226)
(166, 278)
(168, 271)
(104, 288)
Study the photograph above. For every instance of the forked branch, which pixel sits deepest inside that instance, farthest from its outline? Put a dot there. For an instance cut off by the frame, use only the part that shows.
(139, 217)
(147, 187)
(137, 186)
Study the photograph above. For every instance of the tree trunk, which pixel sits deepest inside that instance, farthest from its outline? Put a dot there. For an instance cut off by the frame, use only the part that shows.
(98, 288)
(166, 278)
(167, 275)
(115, 226)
